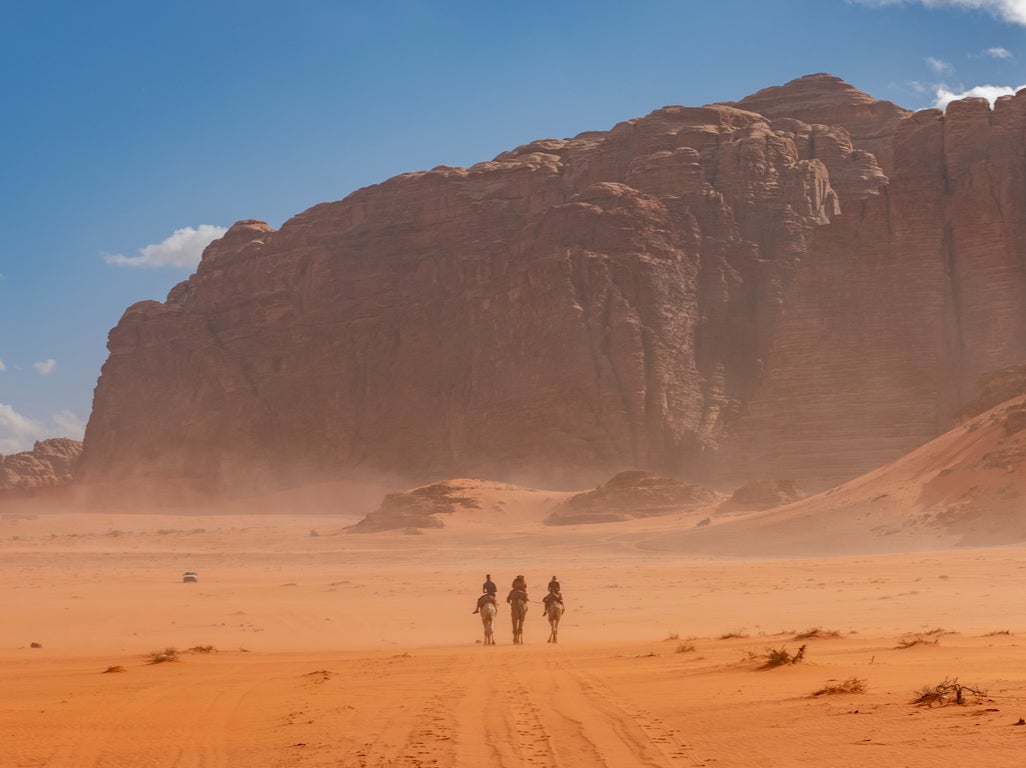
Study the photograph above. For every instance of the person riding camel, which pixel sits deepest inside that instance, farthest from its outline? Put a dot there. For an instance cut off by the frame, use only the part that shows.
(554, 593)
(488, 590)
(519, 590)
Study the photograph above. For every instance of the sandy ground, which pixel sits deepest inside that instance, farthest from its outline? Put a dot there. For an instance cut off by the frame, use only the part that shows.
(341, 650)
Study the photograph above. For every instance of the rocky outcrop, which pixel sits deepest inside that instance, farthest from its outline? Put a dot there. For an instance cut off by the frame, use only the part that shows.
(993, 389)
(628, 495)
(415, 509)
(765, 494)
(49, 463)
(803, 284)
(826, 100)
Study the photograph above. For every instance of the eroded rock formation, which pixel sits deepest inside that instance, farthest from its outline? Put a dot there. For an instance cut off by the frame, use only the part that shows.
(417, 508)
(49, 463)
(803, 284)
(631, 494)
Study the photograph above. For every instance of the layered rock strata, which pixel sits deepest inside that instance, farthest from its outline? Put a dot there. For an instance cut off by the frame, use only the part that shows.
(712, 293)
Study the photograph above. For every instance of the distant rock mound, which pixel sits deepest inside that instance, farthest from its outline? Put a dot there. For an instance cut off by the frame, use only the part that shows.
(765, 494)
(416, 509)
(50, 463)
(628, 495)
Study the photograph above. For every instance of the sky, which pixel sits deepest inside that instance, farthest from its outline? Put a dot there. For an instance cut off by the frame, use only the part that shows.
(134, 133)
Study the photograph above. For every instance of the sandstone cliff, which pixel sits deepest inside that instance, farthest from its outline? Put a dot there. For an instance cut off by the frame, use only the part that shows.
(803, 284)
(49, 463)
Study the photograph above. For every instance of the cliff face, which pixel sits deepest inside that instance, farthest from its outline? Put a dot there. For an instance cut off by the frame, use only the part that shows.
(49, 463)
(709, 293)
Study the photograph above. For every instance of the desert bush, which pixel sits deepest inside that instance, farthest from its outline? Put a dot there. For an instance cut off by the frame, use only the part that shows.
(202, 649)
(946, 692)
(779, 657)
(733, 636)
(835, 687)
(686, 647)
(817, 633)
(911, 642)
(159, 657)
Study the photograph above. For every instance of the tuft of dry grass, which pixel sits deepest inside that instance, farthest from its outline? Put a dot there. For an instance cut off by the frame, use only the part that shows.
(686, 647)
(202, 649)
(780, 657)
(911, 642)
(114, 668)
(734, 636)
(998, 632)
(818, 633)
(839, 687)
(159, 657)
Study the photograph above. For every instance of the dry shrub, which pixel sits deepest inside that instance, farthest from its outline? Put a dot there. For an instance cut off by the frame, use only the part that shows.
(911, 642)
(818, 633)
(202, 649)
(780, 657)
(114, 668)
(946, 692)
(734, 636)
(159, 657)
(686, 647)
(998, 632)
(835, 687)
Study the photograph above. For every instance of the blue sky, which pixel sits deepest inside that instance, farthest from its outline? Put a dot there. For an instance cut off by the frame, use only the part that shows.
(134, 132)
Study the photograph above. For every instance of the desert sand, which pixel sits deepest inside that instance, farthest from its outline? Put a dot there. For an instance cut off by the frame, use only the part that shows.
(302, 645)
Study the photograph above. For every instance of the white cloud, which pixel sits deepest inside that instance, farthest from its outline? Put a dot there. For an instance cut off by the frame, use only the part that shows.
(182, 249)
(69, 424)
(988, 92)
(19, 433)
(1012, 11)
(998, 53)
(939, 66)
(46, 367)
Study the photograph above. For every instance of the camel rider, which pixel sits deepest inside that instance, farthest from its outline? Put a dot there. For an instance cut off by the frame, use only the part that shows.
(488, 590)
(554, 593)
(517, 594)
(519, 590)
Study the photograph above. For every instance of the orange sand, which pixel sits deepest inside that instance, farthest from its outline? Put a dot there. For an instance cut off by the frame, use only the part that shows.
(346, 650)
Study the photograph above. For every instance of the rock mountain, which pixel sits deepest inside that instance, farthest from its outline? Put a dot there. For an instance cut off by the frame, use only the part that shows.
(806, 283)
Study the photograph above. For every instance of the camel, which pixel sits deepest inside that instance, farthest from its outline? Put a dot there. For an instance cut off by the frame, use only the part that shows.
(553, 612)
(518, 609)
(488, 611)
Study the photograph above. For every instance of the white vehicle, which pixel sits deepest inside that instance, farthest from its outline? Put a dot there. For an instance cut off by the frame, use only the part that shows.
(190, 576)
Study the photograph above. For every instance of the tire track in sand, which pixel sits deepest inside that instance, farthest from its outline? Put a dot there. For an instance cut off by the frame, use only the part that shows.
(532, 710)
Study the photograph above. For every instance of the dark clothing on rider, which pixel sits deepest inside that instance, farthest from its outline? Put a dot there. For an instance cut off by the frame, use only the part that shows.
(489, 587)
(516, 594)
(520, 583)
(554, 586)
